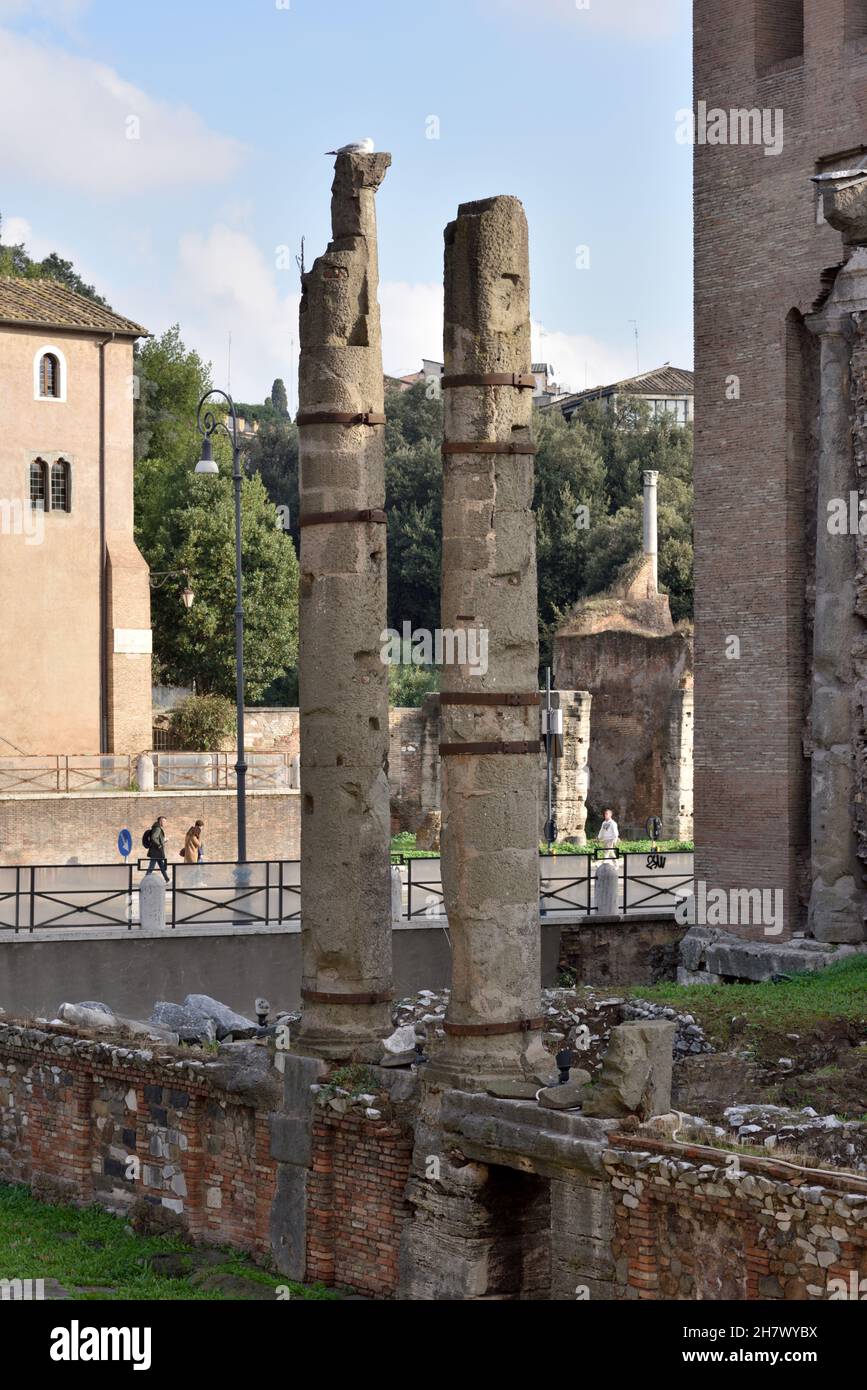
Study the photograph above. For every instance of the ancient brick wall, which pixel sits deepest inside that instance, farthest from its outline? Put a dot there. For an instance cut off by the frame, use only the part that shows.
(74, 827)
(80, 1122)
(355, 1202)
(633, 679)
(759, 262)
(686, 1228)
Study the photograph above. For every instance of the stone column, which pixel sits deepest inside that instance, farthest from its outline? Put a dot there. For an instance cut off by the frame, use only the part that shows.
(490, 863)
(836, 910)
(649, 517)
(572, 771)
(345, 879)
(677, 767)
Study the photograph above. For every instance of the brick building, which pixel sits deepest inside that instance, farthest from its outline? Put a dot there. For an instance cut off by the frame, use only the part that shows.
(76, 669)
(781, 96)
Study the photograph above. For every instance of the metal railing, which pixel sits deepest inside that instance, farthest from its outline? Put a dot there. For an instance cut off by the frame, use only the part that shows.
(268, 892)
(173, 771)
(567, 882)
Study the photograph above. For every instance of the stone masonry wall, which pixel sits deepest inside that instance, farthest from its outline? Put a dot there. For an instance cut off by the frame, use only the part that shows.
(77, 1116)
(690, 1230)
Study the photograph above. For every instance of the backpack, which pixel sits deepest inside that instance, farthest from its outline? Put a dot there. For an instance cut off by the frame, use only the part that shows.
(146, 839)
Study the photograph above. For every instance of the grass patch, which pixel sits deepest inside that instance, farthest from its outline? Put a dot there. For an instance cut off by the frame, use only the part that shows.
(797, 1005)
(93, 1249)
(404, 844)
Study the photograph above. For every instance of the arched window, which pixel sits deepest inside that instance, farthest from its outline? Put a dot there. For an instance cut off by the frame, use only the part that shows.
(61, 491)
(38, 471)
(49, 375)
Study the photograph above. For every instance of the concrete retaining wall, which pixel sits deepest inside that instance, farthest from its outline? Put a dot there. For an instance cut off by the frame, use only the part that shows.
(131, 969)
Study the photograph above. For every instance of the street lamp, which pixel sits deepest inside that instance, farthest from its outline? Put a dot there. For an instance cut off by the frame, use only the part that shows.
(208, 424)
(158, 580)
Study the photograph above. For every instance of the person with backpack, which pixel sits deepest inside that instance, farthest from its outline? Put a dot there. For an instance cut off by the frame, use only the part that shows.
(154, 841)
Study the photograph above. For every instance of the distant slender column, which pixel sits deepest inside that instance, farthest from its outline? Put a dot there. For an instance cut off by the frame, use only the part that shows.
(490, 791)
(650, 543)
(345, 880)
(572, 771)
(677, 767)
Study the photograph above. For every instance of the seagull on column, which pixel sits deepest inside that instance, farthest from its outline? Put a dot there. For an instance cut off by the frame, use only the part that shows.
(365, 146)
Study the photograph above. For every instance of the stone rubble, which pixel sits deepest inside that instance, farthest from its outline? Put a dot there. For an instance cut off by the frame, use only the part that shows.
(566, 1012)
(828, 1139)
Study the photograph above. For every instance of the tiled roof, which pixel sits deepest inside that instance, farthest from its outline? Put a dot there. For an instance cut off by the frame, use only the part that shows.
(662, 381)
(46, 303)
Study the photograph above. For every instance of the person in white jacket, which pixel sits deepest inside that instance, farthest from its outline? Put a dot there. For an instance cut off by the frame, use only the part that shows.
(609, 834)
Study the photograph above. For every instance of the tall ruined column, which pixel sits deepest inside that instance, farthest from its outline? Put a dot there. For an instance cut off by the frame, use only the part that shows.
(490, 717)
(571, 777)
(677, 766)
(836, 911)
(650, 477)
(345, 882)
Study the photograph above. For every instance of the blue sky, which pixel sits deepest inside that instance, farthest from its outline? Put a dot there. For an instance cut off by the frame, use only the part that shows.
(232, 103)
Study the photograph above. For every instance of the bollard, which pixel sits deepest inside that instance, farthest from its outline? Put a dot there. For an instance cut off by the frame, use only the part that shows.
(152, 901)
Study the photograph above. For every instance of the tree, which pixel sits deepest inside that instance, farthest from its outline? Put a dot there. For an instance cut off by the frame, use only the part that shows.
(279, 399)
(198, 645)
(171, 381)
(272, 453)
(14, 260)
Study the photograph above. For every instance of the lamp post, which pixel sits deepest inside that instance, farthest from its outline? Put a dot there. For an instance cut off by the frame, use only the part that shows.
(208, 424)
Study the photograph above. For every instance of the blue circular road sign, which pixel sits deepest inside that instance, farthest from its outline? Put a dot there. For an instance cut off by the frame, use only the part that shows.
(124, 842)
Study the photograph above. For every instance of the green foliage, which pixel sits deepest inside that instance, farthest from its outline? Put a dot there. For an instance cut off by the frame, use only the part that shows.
(187, 521)
(278, 398)
(171, 382)
(408, 685)
(14, 260)
(202, 723)
(595, 461)
(199, 645)
(273, 454)
(770, 1010)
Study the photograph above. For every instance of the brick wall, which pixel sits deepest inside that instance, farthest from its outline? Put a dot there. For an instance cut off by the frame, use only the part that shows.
(690, 1230)
(759, 258)
(356, 1208)
(88, 1122)
(77, 827)
(79, 1125)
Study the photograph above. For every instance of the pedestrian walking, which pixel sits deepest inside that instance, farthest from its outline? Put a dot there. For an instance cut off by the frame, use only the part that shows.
(609, 833)
(193, 850)
(154, 841)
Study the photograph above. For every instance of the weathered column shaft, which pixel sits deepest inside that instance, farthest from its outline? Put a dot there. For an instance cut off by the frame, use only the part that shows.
(649, 523)
(490, 797)
(572, 771)
(836, 900)
(677, 772)
(345, 883)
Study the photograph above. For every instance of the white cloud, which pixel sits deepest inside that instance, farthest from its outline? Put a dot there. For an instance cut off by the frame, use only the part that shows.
(412, 325)
(77, 123)
(579, 361)
(227, 283)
